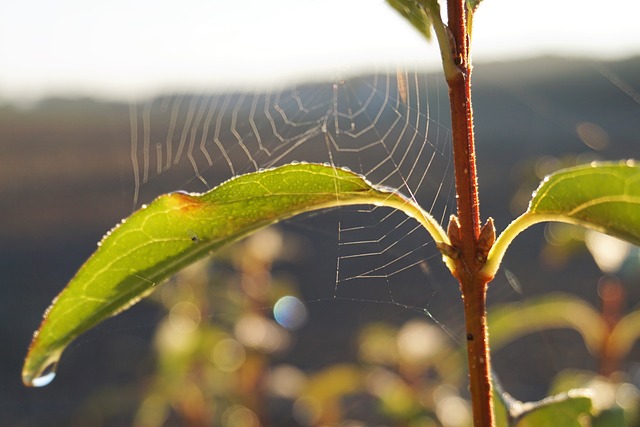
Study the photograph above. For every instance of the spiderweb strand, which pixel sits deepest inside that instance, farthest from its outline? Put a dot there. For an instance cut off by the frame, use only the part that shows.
(379, 125)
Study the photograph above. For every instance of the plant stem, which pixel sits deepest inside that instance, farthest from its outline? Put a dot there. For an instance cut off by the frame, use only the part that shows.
(475, 299)
(612, 294)
(462, 126)
(466, 229)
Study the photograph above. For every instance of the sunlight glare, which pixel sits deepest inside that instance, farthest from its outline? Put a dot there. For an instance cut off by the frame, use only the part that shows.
(118, 49)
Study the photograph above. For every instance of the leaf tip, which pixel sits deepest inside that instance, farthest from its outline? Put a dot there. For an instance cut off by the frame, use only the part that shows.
(40, 365)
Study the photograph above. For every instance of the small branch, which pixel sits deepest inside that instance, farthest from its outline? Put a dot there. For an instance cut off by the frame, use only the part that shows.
(445, 39)
(504, 240)
(516, 227)
(457, 12)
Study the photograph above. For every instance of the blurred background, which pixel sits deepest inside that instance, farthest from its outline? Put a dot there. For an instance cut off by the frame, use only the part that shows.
(267, 333)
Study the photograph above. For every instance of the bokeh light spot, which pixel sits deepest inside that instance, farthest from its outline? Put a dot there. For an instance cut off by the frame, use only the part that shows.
(260, 333)
(290, 312)
(286, 381)
(184, 317)
(592, 135)
(608, 252)
(228, 355)
(418, 341)
(239, 416)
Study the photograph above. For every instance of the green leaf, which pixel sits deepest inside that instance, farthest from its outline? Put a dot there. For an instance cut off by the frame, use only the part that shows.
(512, 321)
(415, 13)
(605, 197)
(612, 417)
(178, 229)
(472, 5)
(571, 409)
(624, 335)
(503, 403)
(620, 411)
(601, 196)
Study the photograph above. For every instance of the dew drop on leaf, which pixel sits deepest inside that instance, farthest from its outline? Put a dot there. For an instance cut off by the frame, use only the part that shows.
(46, 376)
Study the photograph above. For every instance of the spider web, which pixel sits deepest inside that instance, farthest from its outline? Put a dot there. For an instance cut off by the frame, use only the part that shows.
(385, 126)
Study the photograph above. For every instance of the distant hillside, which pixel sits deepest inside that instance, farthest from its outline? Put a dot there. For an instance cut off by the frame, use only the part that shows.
(66, 162)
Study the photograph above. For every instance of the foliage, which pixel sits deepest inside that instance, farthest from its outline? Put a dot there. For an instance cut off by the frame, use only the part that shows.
(601, 196)
(579, 397)
(178, 229)
(415, 12)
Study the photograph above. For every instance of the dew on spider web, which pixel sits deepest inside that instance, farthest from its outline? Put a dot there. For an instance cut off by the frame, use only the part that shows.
(379, 125)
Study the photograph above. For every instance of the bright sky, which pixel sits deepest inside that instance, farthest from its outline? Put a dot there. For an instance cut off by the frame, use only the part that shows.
(124, 48)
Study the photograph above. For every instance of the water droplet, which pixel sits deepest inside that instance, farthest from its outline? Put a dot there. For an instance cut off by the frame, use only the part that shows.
(46, 376)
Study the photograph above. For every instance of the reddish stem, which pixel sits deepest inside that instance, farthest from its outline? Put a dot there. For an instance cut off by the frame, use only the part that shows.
(612, 294)
(465, 234)
(462, 126)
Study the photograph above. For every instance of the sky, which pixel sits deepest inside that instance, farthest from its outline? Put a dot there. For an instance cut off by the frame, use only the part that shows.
(124, 49)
